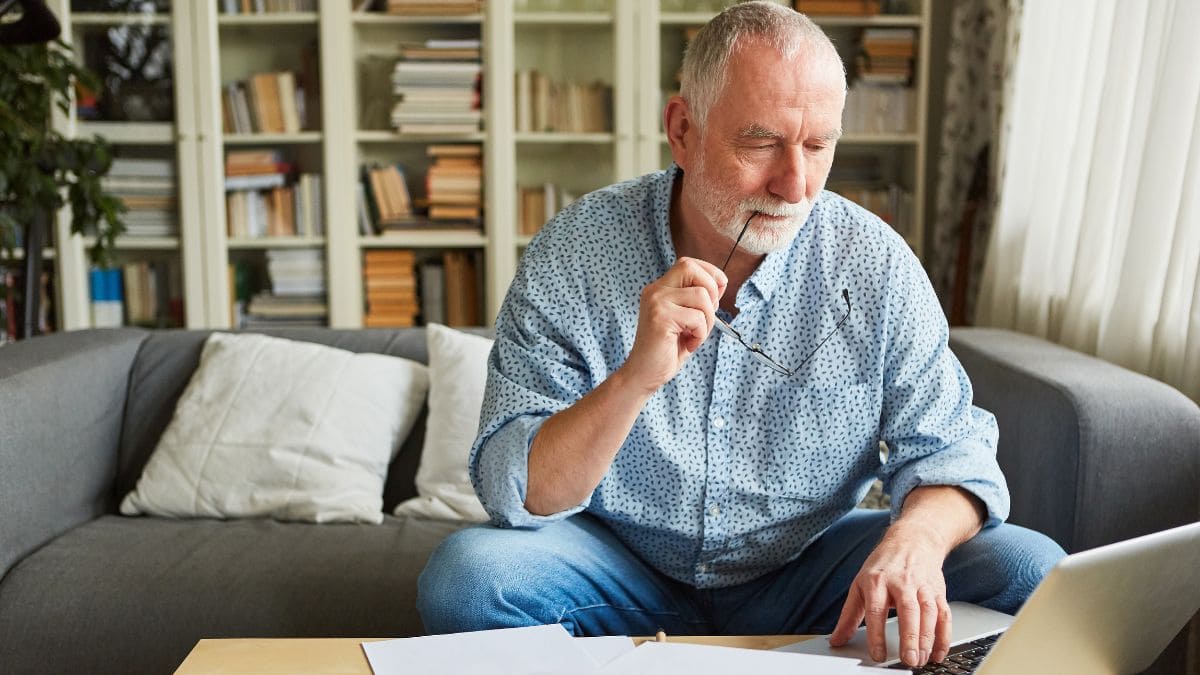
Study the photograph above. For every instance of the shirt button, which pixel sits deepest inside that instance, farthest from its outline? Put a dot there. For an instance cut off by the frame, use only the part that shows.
(702, 568)
(719, 422)
(714, 510)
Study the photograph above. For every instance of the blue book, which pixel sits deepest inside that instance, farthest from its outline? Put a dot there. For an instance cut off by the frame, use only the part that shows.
(107, 295)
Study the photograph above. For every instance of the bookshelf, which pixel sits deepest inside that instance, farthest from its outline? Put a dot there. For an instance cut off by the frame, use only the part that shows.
(633, 50)
(147, 120)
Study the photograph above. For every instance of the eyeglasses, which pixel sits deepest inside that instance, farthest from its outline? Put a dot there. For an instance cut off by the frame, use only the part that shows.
(754, 348)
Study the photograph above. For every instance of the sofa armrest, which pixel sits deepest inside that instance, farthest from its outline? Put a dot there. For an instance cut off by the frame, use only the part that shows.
(61, 399)
(1093, 453)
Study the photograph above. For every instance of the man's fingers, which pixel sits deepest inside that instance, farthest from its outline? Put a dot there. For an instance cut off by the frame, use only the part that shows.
(876, 611)
(693, 272)
(694, 328)
(848, 622)
(908, 614)
(929, 620)
(696, 305)
(941, 641)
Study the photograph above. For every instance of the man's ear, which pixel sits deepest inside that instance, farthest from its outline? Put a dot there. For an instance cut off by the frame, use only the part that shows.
(682, 133)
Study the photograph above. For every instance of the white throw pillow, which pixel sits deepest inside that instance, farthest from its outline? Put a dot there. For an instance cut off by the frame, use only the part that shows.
(457, 375)
(269, 427)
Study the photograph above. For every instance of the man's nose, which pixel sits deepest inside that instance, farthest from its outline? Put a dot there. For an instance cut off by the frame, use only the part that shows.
(788, 179)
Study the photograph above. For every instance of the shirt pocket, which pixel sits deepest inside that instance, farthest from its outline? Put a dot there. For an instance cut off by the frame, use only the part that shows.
(820, 447)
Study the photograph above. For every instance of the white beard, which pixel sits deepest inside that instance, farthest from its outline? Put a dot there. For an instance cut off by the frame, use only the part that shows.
(728, 215)
(766, 237)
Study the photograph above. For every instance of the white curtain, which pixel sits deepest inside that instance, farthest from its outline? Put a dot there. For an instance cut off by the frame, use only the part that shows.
(1096, 240)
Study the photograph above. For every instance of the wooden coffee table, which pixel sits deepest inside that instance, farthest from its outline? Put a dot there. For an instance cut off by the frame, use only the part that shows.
(344, 656)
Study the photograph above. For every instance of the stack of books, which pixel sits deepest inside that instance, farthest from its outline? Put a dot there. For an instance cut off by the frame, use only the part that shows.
(390, 281)
(386, 204)
(296, 272)
(264, 103)
(881, 100)
(147, 188)
(438, 83)
(887, 55)
(434, 7)
(544, 105)
(454, 185)
(274, 311)
(263, 201)
(297, 295)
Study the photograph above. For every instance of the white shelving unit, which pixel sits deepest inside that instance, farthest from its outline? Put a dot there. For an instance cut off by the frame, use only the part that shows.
(628, 44)
(175, 139)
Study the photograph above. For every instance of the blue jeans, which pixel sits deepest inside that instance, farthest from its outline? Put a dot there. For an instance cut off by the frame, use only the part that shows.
(577, 573)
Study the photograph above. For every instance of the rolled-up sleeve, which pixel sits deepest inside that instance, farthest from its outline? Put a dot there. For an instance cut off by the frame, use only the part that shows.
(533, 372)
(934, 434)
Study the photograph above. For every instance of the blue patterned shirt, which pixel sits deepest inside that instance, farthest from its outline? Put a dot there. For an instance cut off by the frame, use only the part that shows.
(731, 469)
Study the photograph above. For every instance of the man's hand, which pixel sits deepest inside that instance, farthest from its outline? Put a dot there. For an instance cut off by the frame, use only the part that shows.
(905, 572)
(677, 313)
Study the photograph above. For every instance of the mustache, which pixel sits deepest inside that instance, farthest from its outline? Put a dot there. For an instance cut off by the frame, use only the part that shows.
(775, 207)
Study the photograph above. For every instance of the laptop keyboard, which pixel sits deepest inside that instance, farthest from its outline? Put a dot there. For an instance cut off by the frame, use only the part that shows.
(963, 658)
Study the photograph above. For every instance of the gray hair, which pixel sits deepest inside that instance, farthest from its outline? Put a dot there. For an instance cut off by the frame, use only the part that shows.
(706, 60)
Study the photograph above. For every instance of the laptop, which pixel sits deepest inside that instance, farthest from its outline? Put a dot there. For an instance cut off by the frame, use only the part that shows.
(1111, 609)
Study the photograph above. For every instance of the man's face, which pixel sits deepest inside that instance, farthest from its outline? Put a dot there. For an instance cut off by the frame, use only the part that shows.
(767, 145)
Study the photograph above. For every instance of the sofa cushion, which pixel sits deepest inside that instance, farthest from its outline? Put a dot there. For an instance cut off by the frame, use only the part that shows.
(147, 589)
(457, 377)
(282, 428)
(167, 358)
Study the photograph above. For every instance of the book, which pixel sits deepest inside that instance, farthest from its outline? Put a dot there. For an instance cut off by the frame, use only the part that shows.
(390, 285)
(432, 292)
(285, 83)
(462, 289)
(107, 296)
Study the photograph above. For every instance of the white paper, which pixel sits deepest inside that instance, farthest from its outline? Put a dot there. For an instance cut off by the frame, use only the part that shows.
(605, 649)
(532, 650)
(658, 658)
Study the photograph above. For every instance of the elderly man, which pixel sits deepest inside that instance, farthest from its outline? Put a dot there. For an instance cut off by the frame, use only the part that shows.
(647, 464)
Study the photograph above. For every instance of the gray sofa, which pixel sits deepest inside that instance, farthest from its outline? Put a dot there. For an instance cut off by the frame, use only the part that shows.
(1093, 454)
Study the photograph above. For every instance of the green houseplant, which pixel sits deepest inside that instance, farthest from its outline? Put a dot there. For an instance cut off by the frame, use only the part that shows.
(40, 169)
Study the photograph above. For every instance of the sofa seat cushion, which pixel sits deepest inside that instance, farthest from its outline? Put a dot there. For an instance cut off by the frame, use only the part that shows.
(152, 587)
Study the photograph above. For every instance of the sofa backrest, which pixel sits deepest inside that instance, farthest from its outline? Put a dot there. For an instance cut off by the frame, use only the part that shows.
(61, 398)
(167, 360)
